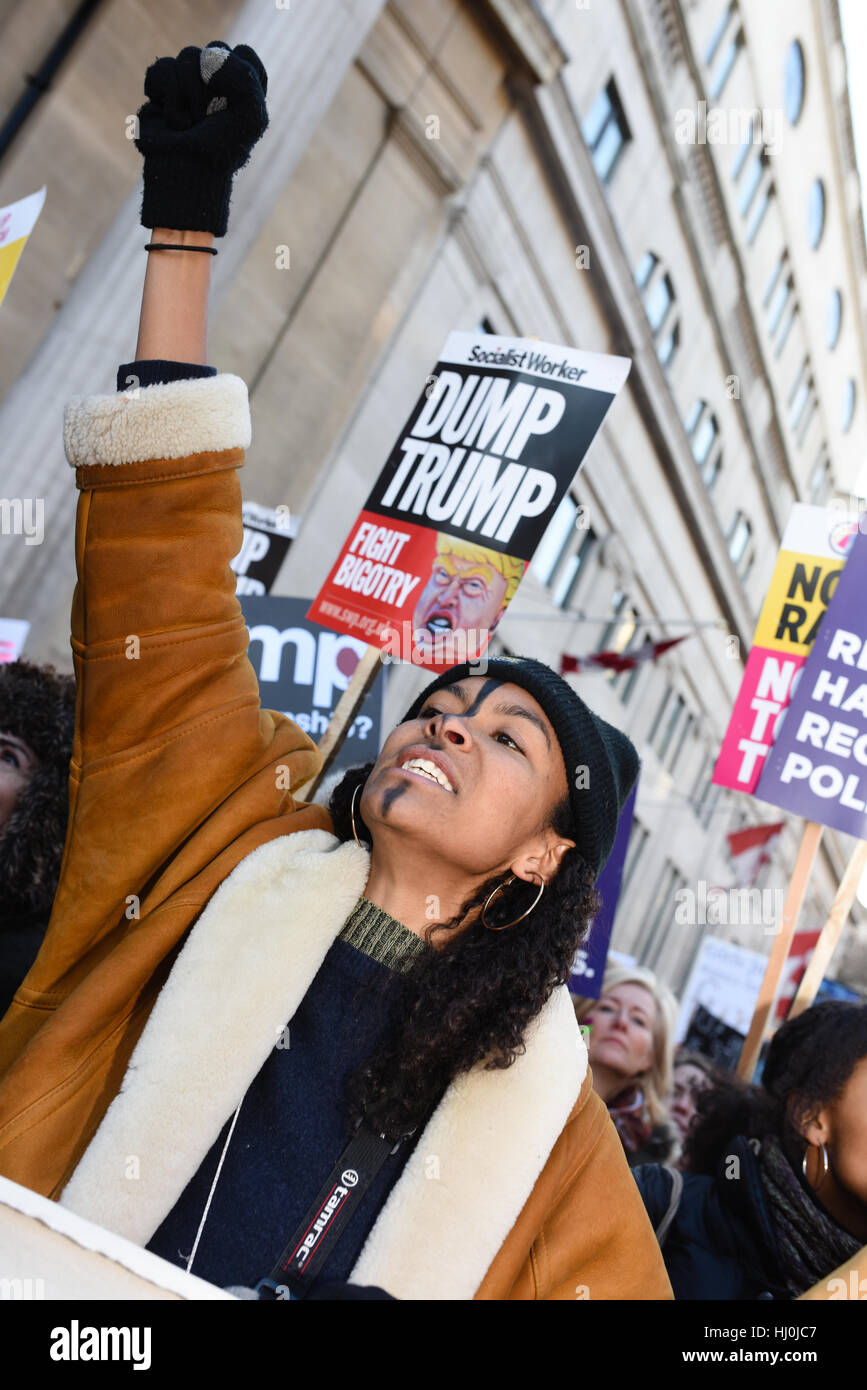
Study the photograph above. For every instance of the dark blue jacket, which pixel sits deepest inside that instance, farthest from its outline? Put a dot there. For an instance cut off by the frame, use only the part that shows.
(721, 1242)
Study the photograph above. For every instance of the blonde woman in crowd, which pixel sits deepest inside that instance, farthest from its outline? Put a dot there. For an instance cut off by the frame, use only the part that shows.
(631, 1049)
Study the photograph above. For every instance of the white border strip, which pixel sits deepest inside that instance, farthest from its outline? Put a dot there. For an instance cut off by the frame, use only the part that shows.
(89, 1236)
(601, 372)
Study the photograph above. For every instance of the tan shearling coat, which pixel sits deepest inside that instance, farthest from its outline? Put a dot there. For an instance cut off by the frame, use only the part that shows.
(197, 900)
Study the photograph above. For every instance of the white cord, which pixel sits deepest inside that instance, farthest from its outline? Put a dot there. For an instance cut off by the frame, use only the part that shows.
(213, 1186)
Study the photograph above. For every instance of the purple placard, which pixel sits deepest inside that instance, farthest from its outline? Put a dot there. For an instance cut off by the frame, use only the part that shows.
(588, 966)
(817, 767)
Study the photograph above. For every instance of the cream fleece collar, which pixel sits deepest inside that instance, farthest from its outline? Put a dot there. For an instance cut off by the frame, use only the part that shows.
(243, 971)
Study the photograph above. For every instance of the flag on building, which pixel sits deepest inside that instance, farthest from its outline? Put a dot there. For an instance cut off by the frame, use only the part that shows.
(618, 661)
(750, 849)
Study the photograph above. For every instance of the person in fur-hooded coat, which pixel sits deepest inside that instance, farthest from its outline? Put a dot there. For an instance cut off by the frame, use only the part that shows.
(37, 715)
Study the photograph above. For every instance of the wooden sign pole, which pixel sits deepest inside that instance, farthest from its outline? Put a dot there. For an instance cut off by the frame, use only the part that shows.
(830, 934)
(340, 723)
(794, 897)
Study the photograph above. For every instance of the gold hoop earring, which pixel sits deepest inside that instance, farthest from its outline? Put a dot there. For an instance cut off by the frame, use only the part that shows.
(352, 817)
(511, 879)
(825, 1166)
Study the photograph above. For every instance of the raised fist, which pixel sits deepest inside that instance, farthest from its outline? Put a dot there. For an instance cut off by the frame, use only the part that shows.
(205, 112)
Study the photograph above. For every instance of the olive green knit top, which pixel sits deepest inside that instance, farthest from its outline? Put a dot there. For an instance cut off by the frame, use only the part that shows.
(380, 936)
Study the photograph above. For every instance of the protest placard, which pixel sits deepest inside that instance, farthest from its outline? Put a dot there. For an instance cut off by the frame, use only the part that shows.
(303, 669)
(268, 533)
(13, 631)
(441, 544)
(725, 978)
(812, 554)
(714, 1039)
(817, 767)
(588, 967)
(17, 221)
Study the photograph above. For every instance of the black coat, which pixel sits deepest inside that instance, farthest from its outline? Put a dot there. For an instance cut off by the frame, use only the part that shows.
(21, 936)
(721, 1242)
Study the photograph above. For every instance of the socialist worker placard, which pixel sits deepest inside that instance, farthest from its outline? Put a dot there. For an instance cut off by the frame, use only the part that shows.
(496, 437)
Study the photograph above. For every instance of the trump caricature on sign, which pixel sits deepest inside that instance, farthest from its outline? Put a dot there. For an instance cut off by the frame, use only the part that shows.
(468, 591)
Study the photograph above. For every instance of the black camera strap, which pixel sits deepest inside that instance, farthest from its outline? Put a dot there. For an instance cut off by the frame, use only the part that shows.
(336, 1203)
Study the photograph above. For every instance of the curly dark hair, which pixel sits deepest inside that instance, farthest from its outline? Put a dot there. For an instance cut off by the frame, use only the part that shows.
(473, 996)
(809, 1061)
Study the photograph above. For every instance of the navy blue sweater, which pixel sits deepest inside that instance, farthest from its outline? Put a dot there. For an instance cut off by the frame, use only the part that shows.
(292, 1124)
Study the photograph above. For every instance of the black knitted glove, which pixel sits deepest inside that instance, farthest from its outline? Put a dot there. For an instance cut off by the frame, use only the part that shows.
(206, 112)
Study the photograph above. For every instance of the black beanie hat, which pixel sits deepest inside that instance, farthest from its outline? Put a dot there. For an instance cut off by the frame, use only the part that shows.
(586, 741)
(37, 705)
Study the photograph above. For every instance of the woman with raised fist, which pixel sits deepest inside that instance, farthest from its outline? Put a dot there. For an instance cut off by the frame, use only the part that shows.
(300, 1052)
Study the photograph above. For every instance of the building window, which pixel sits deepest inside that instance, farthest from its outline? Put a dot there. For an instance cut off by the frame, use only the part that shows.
(833, 319)
(798, 405)
(705, 792)
(820, 479)
(793, 84)
(618, 601)
(645, 269)
(657, 292)
(703, 430)
(666, 732)
(606, 131)
(778, 301)
(749, 178)
(738, 540)
(657, 718)
(624, 684)
(848, 409)
(743, 152)
(724, 63)
(757, 216)
(782, 264)
(801, 392)
(816, 213)
(555, 540)
(564, 590)
(718, 34)
(558, 561)
(807, 416)
(658, 300)
(668, 345)
(638, 837)
(619, 636)
(686, 729)
(785, 328)
(662, 912)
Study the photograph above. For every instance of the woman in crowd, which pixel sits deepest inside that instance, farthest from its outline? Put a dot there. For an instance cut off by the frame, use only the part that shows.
(775, 1196)
(691, 1075)
(37, 711)
(630, 1044)
(242, 998)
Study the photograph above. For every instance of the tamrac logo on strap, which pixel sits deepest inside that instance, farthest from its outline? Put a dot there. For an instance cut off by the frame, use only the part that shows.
(329, 1208)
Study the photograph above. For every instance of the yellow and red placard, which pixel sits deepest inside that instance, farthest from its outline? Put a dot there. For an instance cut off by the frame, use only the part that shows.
(16, 223)
(814, 548)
